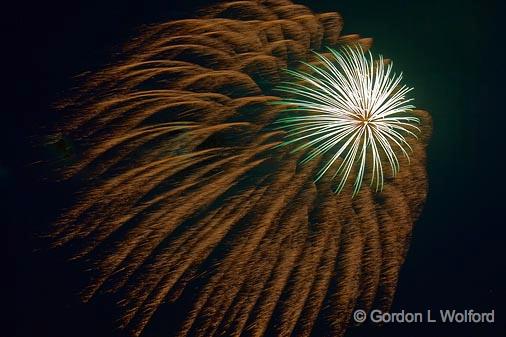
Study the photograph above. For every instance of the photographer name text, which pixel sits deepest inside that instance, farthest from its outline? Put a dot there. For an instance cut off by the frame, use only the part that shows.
(429, 316)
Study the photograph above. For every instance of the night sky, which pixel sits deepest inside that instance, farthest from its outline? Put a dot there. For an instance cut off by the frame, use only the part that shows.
(450, 51)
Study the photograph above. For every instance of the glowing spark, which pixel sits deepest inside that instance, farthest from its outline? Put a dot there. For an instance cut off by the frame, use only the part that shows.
(352, 106)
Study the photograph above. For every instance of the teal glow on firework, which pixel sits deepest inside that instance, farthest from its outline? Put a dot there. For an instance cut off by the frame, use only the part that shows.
(352, 107)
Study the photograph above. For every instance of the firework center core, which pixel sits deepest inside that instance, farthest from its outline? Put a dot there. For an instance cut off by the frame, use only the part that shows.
(364, 120)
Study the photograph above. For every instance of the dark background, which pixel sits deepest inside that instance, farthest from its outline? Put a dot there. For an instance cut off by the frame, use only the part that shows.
(450, 51)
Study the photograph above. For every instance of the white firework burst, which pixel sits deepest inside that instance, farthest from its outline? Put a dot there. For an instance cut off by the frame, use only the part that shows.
(352, 107)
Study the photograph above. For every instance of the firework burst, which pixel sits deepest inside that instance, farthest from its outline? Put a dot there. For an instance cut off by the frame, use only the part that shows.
(353, 108)
(189, 219)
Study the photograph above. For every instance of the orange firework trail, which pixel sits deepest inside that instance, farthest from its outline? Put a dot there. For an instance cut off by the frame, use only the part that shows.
(189, 202)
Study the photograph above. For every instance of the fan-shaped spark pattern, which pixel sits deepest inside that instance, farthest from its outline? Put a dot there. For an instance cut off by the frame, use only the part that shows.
(189, 220)
(352, 107)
